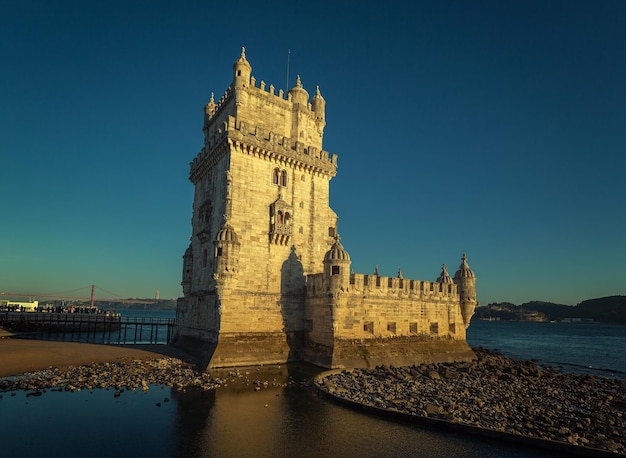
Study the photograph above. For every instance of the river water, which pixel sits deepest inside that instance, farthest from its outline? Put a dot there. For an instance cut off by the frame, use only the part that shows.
(237, 421)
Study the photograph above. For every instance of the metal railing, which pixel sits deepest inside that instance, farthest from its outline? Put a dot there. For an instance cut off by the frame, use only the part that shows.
(102, 328)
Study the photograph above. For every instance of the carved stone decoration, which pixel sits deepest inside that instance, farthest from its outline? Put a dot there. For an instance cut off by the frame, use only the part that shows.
(281, 222)
(204, 222)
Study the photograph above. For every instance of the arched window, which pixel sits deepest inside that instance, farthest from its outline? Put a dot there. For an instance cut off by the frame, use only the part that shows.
(279, 217)
(287, 218)
(275, 174)
(283, 178)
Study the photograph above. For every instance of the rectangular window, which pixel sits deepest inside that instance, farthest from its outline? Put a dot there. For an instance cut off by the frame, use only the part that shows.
(391, 327)
(334, 270)
(331, 231)
(368, 326)
(434, 328)
(413, 327)
(452, 328)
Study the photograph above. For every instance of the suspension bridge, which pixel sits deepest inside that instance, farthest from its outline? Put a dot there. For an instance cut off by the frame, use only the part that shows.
(74, 295)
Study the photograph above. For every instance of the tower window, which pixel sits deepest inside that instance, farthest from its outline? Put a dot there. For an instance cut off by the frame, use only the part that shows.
(334, 270)
(283, 178)
(331, 231)
(391, 327)
(238, 72)
(368, 326)
(275, 175)
(413, 327)
(205, 258)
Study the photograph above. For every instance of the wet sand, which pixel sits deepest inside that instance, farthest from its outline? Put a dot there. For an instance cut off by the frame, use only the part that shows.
(24, 355)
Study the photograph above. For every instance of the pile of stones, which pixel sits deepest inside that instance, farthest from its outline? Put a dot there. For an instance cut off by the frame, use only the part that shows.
(136, 374)
(496, 393)
(130, 375)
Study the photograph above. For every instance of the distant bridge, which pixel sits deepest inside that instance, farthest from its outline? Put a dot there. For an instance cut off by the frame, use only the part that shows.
(68, 295)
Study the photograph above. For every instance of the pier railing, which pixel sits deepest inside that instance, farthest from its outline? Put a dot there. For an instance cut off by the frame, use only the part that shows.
(103, 328)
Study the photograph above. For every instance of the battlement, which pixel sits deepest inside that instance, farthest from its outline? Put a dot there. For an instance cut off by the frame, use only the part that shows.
(271, 145)
(384, 286)
(268, 92)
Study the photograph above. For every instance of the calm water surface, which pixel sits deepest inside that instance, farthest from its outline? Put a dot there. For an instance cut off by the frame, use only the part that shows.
(237, 421)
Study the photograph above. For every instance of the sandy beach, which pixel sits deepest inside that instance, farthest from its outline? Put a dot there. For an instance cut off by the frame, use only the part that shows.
(24, 355)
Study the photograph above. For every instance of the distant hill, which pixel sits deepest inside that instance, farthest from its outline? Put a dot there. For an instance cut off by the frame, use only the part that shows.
(610, 309)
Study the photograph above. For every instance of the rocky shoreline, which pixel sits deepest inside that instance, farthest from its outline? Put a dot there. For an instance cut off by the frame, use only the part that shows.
(496, 393)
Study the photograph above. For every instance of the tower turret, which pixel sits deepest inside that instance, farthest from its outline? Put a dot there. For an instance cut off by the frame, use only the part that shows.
(318, 105)
(226, 251)
(299, 94)
(443, 276)
(466, 283)
(242, 71)
(337, 266)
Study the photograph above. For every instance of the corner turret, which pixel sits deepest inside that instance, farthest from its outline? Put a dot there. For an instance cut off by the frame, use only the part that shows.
(226, 251)
(299, 94)
(241, 71)
(443, 276)
(318, 105)
(466, 282)
(337, 266)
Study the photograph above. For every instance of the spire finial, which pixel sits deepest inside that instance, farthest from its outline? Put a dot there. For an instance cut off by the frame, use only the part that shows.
(212, 98)
(317, 90)
(243, 52)
(298, 82)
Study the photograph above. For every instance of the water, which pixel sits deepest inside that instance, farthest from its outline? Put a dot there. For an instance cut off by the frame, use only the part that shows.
(237, 421)
(597, 349)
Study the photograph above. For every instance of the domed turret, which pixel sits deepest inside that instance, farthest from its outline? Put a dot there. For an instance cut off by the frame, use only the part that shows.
(337, 266)
(337, 252)
(464, 270)
(444, 277)
(318, 105)
(227, 234)
(242, 70)
(298, 93)
(210, 107)
(466, 283)
(226, 251)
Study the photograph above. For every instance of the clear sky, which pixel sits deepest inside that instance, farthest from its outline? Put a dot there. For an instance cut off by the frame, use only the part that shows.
(496, 128)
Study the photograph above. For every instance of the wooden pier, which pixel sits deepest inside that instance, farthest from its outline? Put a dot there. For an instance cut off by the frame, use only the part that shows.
(105, 328)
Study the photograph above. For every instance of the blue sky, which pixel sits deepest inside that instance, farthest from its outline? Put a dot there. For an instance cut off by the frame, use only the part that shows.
(496, 128)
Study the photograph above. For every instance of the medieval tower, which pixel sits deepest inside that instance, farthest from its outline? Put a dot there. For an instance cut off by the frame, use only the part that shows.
(265, 277)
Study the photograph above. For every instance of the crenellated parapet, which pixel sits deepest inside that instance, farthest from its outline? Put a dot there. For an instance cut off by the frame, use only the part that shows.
(386, 287)
(269, 145)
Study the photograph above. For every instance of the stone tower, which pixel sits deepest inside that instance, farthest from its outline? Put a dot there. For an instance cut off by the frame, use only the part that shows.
(261, 222)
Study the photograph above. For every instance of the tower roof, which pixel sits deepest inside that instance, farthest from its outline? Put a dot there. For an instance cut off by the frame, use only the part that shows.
(336, 252)
(226, 234)
(464, 269)
(242, 61)
(298, 93)
(444, 277)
